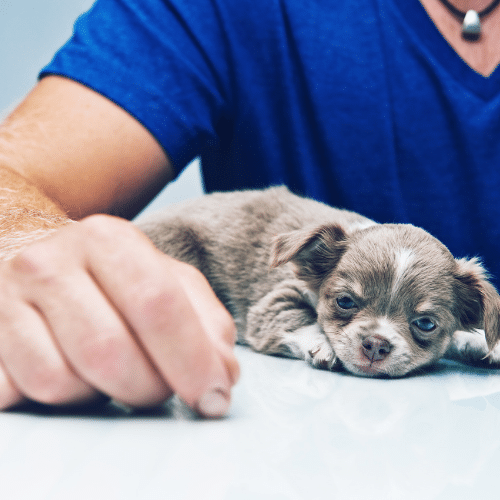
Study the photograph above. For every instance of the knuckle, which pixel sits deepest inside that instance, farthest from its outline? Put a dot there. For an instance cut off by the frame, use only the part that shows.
(157, 303)
(116, 237)
(96, 223)
(105, 227)
(36, 263)
(98, 227)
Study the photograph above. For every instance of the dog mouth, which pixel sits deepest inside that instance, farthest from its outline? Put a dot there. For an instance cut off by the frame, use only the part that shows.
(370, 370)
(359, 368)
(375, 369)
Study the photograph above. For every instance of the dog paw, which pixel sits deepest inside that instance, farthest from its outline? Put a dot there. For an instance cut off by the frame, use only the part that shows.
(321, 356)
(310, 343)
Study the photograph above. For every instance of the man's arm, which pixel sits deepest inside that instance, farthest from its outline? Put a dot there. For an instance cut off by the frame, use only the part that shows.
(84, 152)
(94, 307)
(25, 214)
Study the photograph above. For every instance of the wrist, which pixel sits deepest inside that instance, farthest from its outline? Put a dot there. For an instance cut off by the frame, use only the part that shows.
(19, 227)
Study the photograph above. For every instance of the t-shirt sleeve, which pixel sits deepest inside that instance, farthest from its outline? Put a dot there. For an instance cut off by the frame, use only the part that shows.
(163, 61)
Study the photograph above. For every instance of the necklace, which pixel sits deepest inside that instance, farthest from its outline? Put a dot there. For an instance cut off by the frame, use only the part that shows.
(471, 25)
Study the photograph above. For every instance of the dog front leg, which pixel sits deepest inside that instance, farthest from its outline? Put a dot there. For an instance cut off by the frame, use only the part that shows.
(284, 322)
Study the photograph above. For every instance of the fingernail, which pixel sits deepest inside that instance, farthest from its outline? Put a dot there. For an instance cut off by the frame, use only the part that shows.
(214, 403)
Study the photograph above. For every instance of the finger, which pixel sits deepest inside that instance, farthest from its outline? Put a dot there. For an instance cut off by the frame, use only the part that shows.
(168, 327)
(32, 361)
(99, 345)
(214, 317)
(87, 329)
(153, 301)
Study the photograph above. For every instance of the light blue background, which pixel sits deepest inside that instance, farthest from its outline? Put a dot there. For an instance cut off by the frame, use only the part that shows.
(30, 32)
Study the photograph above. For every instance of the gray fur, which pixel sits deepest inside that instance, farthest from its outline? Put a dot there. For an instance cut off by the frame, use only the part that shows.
(277, 261)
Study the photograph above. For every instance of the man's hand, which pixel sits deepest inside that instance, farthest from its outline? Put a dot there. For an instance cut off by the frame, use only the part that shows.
(95, 308)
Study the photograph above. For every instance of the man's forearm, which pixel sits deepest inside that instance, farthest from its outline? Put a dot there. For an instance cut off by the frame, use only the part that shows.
(83, 151)
(26, 214)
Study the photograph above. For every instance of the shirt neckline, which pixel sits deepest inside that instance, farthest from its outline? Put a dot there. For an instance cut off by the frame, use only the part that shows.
(437, 47)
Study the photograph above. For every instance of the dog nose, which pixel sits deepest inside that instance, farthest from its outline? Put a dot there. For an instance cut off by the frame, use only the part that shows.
(376, 348)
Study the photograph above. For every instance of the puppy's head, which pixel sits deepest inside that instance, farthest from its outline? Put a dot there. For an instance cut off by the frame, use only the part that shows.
(389, 296)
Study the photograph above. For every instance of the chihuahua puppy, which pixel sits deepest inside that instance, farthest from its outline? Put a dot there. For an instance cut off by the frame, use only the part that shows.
(329, 286)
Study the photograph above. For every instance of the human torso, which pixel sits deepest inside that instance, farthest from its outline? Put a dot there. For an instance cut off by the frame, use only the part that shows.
(363, 104)
(380, 115)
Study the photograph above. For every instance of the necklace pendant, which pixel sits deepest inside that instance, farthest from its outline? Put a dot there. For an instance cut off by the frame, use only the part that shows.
(471, 27)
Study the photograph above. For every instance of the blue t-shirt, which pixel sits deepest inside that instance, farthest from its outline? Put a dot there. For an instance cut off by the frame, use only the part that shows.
(361, 104)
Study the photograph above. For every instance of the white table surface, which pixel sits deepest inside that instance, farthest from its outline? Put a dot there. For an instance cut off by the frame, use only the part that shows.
(293, 433)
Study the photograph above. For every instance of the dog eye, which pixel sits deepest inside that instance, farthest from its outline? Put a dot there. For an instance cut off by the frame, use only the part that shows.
(345, 302)
(425, 324)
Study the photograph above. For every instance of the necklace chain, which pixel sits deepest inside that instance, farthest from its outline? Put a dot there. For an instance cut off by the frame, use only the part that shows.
(461, 14)
(471, 20)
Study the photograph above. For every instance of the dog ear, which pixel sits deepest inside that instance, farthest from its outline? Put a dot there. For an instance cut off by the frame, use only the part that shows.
(314, 252)
(478, 301)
